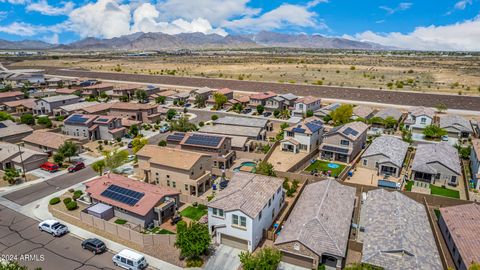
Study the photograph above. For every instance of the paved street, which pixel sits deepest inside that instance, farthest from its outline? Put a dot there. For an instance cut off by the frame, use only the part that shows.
(40, 190)
(19, 235)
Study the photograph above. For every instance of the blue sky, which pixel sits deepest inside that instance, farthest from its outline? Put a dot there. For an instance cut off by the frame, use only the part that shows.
(422, 24)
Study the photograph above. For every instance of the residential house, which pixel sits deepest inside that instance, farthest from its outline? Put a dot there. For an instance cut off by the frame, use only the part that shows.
(317, 230)
(308, 103)
(134, 201)
(289, 101)
(124, 90)
(47, 142)
(239, 215)
(78, 125)
(387, 113)
(396, 233)
(48, 105)
(146, 113)
(19, 158)
(228, 93)
(475, 162)
(99, 109)
(203, 93)
(67, 91)
(96, 89)
(386, 155)
(93, 127)
(260, 99)
(362, 111)
(436, 164)
(275, 103)
(12, 132)
(327, 110)
(185, 171)
(168, 94)
(460, 228)
(252, 128)
(305, 136)
(345, 142)
(10, 96)
(74, 108)
(418, 118)
(179, 97)
(20, 106)
(456, 126)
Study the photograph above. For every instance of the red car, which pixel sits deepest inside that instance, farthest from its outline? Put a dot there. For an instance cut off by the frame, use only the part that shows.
(76, 167)
(49, 167)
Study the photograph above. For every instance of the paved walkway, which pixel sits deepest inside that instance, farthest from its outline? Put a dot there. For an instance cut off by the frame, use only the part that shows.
(224, 258)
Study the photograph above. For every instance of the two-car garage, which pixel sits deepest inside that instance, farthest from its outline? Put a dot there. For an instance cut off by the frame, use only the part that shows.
(298, 260)
(234, 242)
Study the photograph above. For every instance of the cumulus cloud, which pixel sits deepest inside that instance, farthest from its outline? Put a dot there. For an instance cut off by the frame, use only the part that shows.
(15, 2)
(53, 39)
(463, 36)
(26, 29)
(44, 8)
(3, 15)
(461, 5)
(400, 7)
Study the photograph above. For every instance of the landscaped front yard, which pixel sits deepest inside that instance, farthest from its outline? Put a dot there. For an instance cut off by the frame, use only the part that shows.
(435, 190)
(194, 212)
(323, 166)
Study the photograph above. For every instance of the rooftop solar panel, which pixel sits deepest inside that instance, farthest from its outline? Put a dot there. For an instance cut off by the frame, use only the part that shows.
(176, 137)
(203, 140)
(351, 131)
(102, 120)
(2, 125)
(123, 195)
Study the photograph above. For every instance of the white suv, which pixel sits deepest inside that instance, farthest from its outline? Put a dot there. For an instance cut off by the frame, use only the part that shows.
(54, 227)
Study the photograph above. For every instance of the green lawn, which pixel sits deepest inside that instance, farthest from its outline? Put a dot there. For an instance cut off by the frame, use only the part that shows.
(194, 213)
(444, 192)
(437, 213)
(321, 165)
(409, 185)
(120, 221)
(158, 230)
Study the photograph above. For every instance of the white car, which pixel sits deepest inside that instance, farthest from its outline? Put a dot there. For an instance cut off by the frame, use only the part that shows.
(53, 227)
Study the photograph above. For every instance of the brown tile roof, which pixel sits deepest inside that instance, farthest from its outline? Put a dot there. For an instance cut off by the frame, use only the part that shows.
(224, 91)
(463, 222)
(98, 107)
(11, 94)
(67, 91)
(243, 99)
(170, 157)
(153, 194)
(129, 122)
(100, 86)
(28, 103)
(263, 95)
(167, 93)
(48, 139)
(13, 129)
(132, 106)
(363, 111)
(126, 87)
(308, 100)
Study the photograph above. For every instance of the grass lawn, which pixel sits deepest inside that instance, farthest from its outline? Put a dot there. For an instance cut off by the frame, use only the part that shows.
(321, 165)
(158, 230)
(120, 221)
(194, 213)
(444, 192)
(409, 185)
(437, 213)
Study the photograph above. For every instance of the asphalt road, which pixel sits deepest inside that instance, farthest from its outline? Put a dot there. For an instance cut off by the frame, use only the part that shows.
(343, 93)
(40, 190)
(21, 240)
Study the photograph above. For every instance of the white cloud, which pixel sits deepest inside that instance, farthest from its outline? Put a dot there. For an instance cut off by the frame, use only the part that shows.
(15, 2)
(3, 15)
(402, 6)
(464, 36)
(461, 5)
(44, 8)
(26, 29)
(53, 39)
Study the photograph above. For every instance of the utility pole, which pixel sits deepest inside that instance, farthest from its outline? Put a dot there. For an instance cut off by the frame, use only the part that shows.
(23, 165)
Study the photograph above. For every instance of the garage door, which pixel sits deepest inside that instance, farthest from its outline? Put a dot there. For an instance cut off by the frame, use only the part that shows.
(297, 260)
(234, 242)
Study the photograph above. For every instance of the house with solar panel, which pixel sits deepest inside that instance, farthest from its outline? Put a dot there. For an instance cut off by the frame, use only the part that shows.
(93, 127)
(135, 201)
(305, 136)
(344, 143)
(48, 105)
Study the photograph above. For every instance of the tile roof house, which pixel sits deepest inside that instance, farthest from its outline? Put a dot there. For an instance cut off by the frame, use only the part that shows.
(12, 132)
(363, 111)
(304, 104)
(386, 155)
(10, 96)
(305, 136)
(436, 164)
(44, 141)
(20, 106)
(396, 233)
(75, 108)
(324, 111)
(135, 201)
(260, 98)
(186, 171)
(317, 230)
(419, 117)
(253, 128)
(475, 162)
(389, 112)
(228, 93)
(96, 89)
(289, 100)
(456, 126)
(48, 105)
(14, 156)
(344, 143)
(93, 127)
(146, 113)
(239, 214)
(460, 227)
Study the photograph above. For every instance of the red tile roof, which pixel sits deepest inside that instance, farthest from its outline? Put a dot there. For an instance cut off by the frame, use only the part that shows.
(67, 91)
(11, 94)
(224, 91)
(153, 194)
(263, 95)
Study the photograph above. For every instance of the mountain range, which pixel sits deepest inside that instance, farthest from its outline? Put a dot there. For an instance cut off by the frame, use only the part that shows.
(161, 41)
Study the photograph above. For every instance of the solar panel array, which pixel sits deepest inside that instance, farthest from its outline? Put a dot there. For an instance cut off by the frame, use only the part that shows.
(176, 137)
(203, 140)
(315, 125)
(102, 120)
(123, 195)
(335, 149)
(76, 119)
(351, 131)
(299, 129)
(2, 125)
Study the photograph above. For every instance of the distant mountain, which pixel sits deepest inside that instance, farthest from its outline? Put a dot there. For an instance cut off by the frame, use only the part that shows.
(161, 41)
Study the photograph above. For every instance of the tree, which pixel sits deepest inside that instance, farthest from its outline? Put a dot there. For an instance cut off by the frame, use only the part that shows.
(266, 259)
(434, 132)
(193, 240)
(260, 109)
(44, 120)
(342, 114)
(276, 113)
(138, 143)
(141, 95)
(115, 158)
(220, 100)
(58, 158)
(98, 166)
(133, 130)
(441, 107)
(27, 119)
(183, 125)
(103, 95)
(10, 175)
(309, 113)
(162, 143)
(200, 101)
(171, 113)
(265, 168)
(68, 149)
(123, 98)
(390, 122)
(474, 266)
(160, 100)
(5, 116)
(214, 117)
(285, 114)
(237, 107)
(14, 265)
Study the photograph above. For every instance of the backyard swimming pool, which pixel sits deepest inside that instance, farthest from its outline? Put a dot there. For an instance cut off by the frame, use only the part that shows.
(246, 164)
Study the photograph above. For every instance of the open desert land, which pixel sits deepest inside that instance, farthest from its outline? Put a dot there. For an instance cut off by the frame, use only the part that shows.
(459, 75)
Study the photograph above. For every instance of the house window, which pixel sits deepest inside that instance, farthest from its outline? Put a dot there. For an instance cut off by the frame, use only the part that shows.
(234, 219)
(344, 142)
(168, 182)
(376, 165)
(174, 184)
(423, 120)
(365, 162)
(186, 187)
(220, 212)
(214, 211)
(269, 202)
(243, 221)
(260, 215)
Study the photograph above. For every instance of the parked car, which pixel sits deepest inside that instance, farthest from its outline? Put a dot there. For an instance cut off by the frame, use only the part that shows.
(445, 138)
(129, 260)
(131, 157)
(76, 167)
(267, 114)
(246, 111)
(164, 129)
(94, 245)
(187, 105)
(53, 227)
(49, 167)
(130, 145)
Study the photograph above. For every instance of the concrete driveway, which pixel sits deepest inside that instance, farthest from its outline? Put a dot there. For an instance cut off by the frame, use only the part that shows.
(225, 257)
(287, 266)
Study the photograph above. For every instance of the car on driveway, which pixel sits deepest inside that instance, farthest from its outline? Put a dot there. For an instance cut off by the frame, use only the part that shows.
(76, 167)
(267, 114)
(164, 129)
(53, 227)
(94, 245)
(130, 145)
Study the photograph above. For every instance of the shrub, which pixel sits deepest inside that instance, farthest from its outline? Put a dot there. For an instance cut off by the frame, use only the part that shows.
(120, 221)
(54, 200)
(71, 190)
(162, 143)
(214, 117)
(72, 206)
(201, 124)
(77, 194)
(67, 200)
(194, 262)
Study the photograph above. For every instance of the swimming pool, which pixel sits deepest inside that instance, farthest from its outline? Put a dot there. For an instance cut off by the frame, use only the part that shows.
(246, 164)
